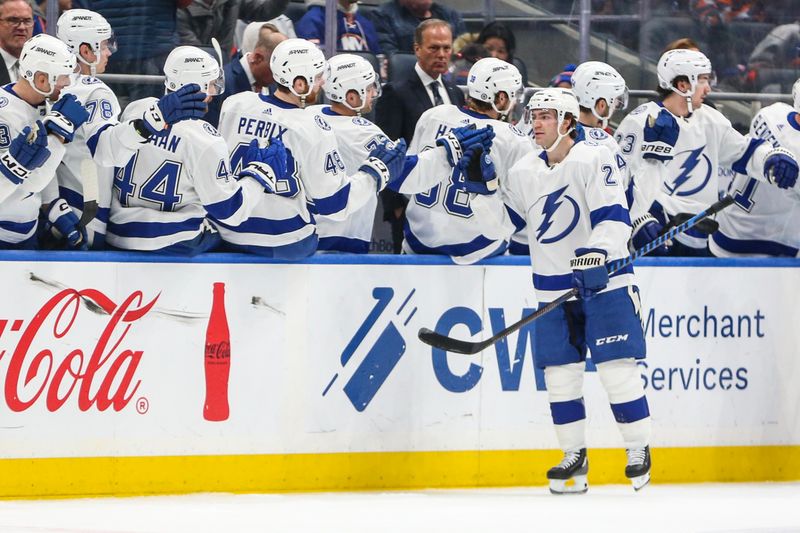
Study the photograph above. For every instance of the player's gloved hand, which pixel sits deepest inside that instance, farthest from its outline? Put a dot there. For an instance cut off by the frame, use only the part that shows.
(457, 141)
(65, 117)
(185, 103)
(780, 168)
(28, 151)
(660, 135)
(62, 221)
(268, 166)
(386, 162)
(646, 229)
(589, 273)
(478, 168)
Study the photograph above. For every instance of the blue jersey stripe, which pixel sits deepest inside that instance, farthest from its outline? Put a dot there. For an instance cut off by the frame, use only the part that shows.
(563, 282)
(149, 230)
(458, 250)
(753, 246)
(91, 143)
(516, 219)
(73, 198)
(267, 226)
(408, 166)
(616, 213)
(23, 228)
(333, 203)
(225, 208)
(740, 165)
(344, 244)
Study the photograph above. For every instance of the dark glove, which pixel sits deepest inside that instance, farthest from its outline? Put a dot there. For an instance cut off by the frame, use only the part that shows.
(28, 151)
(185, 103)
(479, 170)
(62, 219)
(780, 168)
(457, 141)
(268, 166)
(660, 135)
(646, 229)
(386, 162)
(589, 273)
(65, 117)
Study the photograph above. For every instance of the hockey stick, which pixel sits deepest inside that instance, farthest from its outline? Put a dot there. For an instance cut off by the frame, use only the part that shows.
(437, 340)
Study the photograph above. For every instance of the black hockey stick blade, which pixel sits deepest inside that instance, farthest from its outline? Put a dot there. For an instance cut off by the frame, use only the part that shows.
(437, 340)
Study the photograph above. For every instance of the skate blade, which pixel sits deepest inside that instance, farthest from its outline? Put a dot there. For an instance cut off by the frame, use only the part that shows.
(575, 485)
(640, 482)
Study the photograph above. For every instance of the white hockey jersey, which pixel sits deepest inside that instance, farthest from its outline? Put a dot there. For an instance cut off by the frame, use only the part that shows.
(765, 220)
(320, 173)
(20, 204)
(80, 179)
(578, 203)
(162, 195)
(688, 183)
(357, 137)
(442, 220)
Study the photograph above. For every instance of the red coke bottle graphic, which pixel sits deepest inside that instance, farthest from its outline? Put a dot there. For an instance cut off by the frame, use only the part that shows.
(217, 359)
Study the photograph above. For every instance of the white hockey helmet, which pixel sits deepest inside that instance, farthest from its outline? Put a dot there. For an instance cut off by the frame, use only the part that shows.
(349, 72)
(189, 64)
(298, 58)
(79, 26)
(560, 100)
(796, 94)
(44, 53)
(595, 80)
(689, 63)
(489, 76)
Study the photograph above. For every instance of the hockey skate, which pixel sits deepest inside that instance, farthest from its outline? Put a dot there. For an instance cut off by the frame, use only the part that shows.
(569, 476)
(638, 468)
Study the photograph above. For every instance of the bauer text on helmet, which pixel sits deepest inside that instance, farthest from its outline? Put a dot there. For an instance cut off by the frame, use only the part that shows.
(489, 77)
(351, 81)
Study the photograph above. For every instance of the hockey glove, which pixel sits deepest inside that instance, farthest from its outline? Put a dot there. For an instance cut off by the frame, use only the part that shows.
(479, 170)
(268, 166)
(28, 151)
(457, 141)
(780, 168)
(646, 229)
(65, 117)
(386, 162)
(707, 226)
(660, 135)
(589, 273)
(185, 103)
(62, 221)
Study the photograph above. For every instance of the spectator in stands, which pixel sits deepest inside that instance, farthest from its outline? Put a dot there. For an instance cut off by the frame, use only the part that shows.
(779, 52)
(40, 14)
(464, 59)
(403, 102)
(499, 41)
(397, 20)
(203, 19)
(250, 72)
(146, 33)
(564, 78)
(16, 27)
(354, 31)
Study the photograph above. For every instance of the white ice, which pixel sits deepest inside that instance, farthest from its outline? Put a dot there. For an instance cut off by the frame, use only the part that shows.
(740, 508)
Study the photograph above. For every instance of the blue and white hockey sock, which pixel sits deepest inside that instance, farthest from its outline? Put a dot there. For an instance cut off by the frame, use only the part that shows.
(565, 392)
(622, 380)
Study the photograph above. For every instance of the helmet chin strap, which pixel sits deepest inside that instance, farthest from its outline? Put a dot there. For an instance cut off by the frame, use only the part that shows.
(688, 97)
(45, 94)
(559, 138)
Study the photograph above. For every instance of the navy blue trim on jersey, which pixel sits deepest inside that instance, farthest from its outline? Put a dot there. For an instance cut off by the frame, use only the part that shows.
(753, 246)
(102, 214)
(615, 213)
(517, 248)
(332, 204)
(344, 244)
(91, 143)
(225, 208)
(268, 226)
(740, 166)
(23, 228)
(567, 412)
(563, 282)
(453, 250)
(277, 102)
(518, 221)
(73, 198)
(632, 411)
(409, 165)
(295, 251)
(474, 114)
(149, 230)
(327, 110)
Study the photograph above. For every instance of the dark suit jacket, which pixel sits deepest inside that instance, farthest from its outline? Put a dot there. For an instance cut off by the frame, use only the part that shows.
(402, 103)
(235, 82)
(4, 79)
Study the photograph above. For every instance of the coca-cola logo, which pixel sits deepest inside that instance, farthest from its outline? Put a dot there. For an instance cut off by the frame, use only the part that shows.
(218, 350)
(103, 376)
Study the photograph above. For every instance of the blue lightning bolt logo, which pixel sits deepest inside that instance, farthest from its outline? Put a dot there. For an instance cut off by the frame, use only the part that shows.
(688, 166)
(551, 203)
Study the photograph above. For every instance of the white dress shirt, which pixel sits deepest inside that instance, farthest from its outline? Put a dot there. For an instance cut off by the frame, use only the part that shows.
(426, 82)
(10, 61)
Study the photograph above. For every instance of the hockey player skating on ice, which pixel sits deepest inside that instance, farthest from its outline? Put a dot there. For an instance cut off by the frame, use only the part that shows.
(317, 173)
(176, 179)
(442, 220)
(353, 86)
(765, 220)
(572, 198)
(601, 91)
(47, 67)
(689, 141)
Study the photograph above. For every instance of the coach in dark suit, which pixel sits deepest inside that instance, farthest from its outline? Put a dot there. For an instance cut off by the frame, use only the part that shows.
(251, 72)
(403, 102)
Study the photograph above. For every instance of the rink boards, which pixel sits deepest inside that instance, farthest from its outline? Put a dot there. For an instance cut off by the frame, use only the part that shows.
(102, 366)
